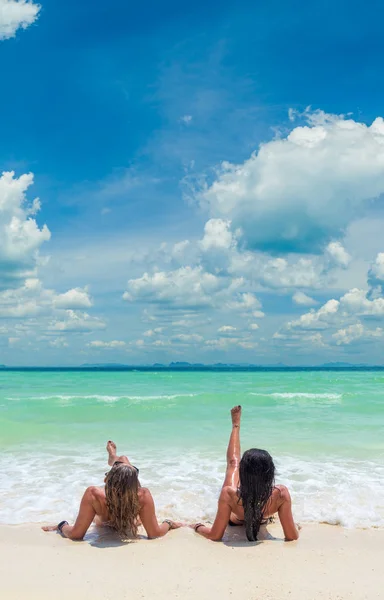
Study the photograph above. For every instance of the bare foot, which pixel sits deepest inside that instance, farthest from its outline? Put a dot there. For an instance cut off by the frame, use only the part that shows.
(49, 528)
(236, 415)
(111, 449)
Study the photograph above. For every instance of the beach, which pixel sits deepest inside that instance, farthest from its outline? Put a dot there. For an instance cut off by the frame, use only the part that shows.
(326, 563)
(324, 430)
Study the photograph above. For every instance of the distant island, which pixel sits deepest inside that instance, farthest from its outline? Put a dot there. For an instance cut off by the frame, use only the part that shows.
(186, 366)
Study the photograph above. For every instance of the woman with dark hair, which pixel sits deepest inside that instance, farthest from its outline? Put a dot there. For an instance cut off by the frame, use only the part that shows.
(249, 495)
(122, 504)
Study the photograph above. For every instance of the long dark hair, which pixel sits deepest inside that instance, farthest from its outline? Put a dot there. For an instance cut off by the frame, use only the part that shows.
(257, 479)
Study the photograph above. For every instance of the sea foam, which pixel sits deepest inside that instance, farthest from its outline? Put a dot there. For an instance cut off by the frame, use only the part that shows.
(41, 487)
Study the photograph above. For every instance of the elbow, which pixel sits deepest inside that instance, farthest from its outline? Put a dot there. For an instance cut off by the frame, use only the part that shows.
(158, 534)
(292, 538)
(214, 538)
(75, 537)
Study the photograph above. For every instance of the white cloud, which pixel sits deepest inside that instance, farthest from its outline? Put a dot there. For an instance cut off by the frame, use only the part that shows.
(179, 250)
(299, 193)
(303, 300)
(376, 276)
(20, 236)
(77, 322)
(186, 119)
(217, 234)
(33, 299)
(159, 343)
(316, 319)
(12, 341)
(115, 344)
(356, 302)
(187, 287)
(246, 302)
(228, 342)
(152, 332)
(377, 269)
(340, 319)
(258, 314)
(59, 342)
(187, 338)
(356, 332)
(279, 273)
(73, 299)
(226, 329)
(338, 255)
(16, 14)
(247, 345)
(352, 304)
(253, 326)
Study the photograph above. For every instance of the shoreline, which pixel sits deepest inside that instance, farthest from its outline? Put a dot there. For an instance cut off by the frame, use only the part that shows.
(326, 563)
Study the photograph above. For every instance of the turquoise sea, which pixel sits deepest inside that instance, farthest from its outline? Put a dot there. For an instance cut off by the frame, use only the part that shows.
(325, 430)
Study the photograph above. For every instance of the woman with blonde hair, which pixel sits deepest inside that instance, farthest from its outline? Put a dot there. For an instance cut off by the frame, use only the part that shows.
(122, 504)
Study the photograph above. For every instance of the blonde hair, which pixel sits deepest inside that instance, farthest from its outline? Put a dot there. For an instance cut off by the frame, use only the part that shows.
(121, 492)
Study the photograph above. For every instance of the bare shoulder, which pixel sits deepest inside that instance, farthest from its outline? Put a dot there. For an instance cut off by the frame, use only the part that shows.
(145, 496)
(94, 493)
(283, 493)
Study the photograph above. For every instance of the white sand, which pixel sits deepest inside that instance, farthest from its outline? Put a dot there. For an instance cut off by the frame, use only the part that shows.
(326, 563)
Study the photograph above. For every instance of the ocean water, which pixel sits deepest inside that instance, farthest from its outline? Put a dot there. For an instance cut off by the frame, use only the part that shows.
(325, 431)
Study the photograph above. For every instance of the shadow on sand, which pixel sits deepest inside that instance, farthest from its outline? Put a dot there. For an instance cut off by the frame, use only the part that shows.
(235, 537)
(106, 537)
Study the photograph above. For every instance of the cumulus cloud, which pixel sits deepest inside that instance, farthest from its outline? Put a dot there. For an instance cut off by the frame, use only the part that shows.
(303, 300)
(20, 236)
(299, 193)
(187, 287)
(77, 322)
(113, 345)
(75, 298)
(258, 314)
(337, 254)
(279, 273)
(153, 332)
(354, 303)
(246, 302)
(226, 329)
(31, 299)
(356, 332)
(16, 14)
(316, 319)
(376, 276)
(342, 321)
(185, 338)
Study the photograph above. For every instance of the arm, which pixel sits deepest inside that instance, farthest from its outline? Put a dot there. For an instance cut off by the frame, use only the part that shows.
(216, 532)
(149, 520)
(285, 515)
(84, 519)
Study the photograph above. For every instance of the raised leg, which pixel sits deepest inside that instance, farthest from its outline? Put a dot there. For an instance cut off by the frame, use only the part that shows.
(112, 455)
(233, 450)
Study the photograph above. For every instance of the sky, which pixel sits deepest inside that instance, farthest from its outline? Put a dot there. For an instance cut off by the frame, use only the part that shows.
(200, 182)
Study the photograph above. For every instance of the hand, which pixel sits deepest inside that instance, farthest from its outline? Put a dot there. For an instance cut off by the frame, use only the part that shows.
(177, 525)
(49, 528)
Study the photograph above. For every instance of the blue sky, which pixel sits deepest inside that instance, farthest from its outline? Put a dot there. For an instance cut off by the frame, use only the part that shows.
(194, 207)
